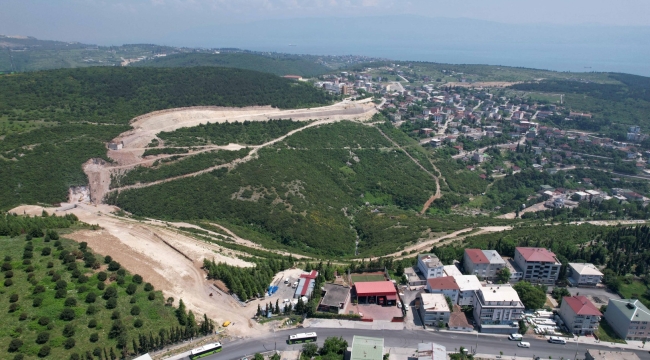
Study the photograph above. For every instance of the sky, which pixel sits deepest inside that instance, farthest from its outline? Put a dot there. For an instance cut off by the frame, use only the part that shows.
(115, 22)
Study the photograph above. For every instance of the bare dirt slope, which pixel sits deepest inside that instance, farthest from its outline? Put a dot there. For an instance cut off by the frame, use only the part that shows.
(169, 260)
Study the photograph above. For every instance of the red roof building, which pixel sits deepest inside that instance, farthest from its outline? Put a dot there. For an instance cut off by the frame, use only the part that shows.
(476, 256)
(538, 265)
(579, 315)
(536, 254)
(376, 292)
(306, 284)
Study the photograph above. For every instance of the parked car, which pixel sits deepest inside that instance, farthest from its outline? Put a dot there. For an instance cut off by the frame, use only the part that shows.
(524, 344)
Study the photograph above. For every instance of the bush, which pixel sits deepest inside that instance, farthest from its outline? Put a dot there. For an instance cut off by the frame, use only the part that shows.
(38, 289)
(9, 274)
(137, 279)
(69, 343)
(92, 323)
(70, 302)
(42, 337)
(28, 237)
(19, 357)
(75, 273)
(107, 259)
(57, 243)
(91, 297)
(37, 302)
(13, 298)
(82, 289)
(8, 282)
(111, 303)
(43, 320)
(56, 277)
(6, 266)
(67, 315)
(46, 251)
(27, 262)
(61, 284)
(50, 265)
(114, 266)
(120, 280)
(82, 279)
(101, 286)
(15, 345)
(91, 310)
(68, 330)
(101, 276)
(121, 272)
(13, 307)
(135, 310)
(29, 269)
(148, 287)
(131, 289)
(60, 294)
(133, 300)
(94, 337)
(151, 296)
(137, 323)
(28, 254)
(45, 351)
(111, 292)
(22, 317)
(115, 315)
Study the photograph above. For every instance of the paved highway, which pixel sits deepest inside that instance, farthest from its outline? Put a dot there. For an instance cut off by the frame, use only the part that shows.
(487, 344)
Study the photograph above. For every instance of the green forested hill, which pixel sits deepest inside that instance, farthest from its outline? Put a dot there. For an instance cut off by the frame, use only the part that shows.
(39, 165)
(299, 191)
(277, 64)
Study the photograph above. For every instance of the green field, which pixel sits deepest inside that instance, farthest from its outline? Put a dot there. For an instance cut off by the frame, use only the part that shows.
(367, 278)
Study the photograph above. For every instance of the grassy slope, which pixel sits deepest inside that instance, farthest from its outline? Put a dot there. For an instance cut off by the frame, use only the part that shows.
(278, 65)
(155, 314)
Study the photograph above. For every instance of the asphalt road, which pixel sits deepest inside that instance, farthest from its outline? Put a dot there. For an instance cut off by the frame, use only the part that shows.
(410, 338)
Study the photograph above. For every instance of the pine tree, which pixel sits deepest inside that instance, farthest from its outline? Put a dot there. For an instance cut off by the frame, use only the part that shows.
(181, 313)
(113, 356)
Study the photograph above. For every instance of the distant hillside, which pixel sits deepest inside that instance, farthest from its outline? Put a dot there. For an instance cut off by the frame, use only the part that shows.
(277, 64)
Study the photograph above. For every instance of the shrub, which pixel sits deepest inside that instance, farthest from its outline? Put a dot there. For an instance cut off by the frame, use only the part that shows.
(43, 320)
(22, 317)
(50, 265)
(135, 310)
(42, 337)
(82, 279)
(137, 323)
(33, 281)
(94, 337)
(60, 294)
(54, 235)
(111, 303)
(28, 254)
(19, 357)
(13, 307)
(56, 277)
(137, 279)
(83, 245)
(28, 237)
(46, 251)
(121, 271)
(7, 258)
(108, 259)
(117, 329)
(68, 330)
(75, 273)
(131, 288)
(27, 262)
(36, 233)
(15, 345)
(97, 352)
(69, 343)
(13, 298)
(101, 286)
(38, 289)
(9, 282)
(70, 302)
(115, 315)
(148, 287)
(91, 297)
(82, 289)
(111, 292)
(91, 310)
(57, 243)
(133, 300)
(101, 276)
(37, 302)
(113, 266)
(151, 296)
(92, 323)
(45, 351)
(9, 274)
(120, 280)
(6, 266)
(29, 269)
(29, 246)
(61, 284)
(67, 314)
(30, 275)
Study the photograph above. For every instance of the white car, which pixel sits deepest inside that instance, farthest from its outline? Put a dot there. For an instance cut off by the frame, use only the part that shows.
(515, 337)
(524, 344)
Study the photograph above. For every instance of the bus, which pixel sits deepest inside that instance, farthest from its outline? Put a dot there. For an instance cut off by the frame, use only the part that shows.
(302, 338)
(205, 350)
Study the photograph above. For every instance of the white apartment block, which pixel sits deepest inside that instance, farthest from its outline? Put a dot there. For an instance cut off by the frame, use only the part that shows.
(434, 309)
(497, 309)
(430, 266)
(584, 274)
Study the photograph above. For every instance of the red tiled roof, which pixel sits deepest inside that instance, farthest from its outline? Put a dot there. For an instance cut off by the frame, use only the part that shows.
(375, 288)
(477, 256)
(312, 275)
(443, 283)
(536, 254)
(581, 305)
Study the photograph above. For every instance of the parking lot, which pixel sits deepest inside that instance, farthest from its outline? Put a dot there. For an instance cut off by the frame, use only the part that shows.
(285, 291)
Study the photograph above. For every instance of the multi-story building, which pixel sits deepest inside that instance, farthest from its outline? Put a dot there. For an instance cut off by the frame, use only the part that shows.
(629, 318)
(468, 285)
(446, 286)
(497, 309)
(580, 315)
(483, 263)
(434, 309)
(538, 265)
(584, 274)
(430, 266)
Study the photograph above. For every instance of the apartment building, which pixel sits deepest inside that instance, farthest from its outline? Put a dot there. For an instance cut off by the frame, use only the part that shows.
(580, 315)
(434, 309)
(430, 266)
(584, 274)
(446, 286)
(497, 309)
(538, 265)
(629, 318)
(468, 285)
(483, 263)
